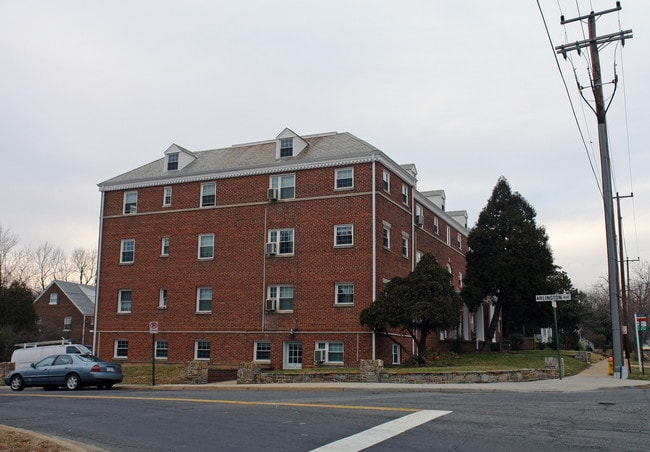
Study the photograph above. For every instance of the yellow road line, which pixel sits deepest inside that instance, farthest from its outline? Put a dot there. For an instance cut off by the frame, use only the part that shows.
(225, 402)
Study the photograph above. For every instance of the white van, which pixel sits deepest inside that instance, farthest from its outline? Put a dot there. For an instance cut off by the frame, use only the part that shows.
(32, 352)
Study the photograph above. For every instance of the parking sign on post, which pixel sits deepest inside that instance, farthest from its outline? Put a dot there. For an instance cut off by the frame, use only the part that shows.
(153, 329)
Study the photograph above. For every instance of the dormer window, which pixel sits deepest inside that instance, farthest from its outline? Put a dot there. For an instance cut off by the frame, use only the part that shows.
(288, 144)
(172, 161)
(286, 147)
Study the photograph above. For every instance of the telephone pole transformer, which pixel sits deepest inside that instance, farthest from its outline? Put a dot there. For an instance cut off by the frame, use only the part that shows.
(593, 43)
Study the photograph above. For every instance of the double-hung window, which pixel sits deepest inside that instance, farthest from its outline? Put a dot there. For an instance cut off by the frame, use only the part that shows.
(436, 229)
(172, 161)
(286, 147)
(344, 178)
(208, 194)
(285, 185)
(130, 202)
(162, 349)
(343, 235)
(206, 246)
(202, 350)
(121, 348)
(204, 299)
(167, 196)
(386, 236)
(67, 323)
(54, 298)
(397, 353)
(127, 253)
(283, 238)
(125, 299)
(333, 351)
(164, 246)
(386, 181)
(405, 244)
(263, 351)
(405, 194)
(344, 294)
(283, 296)
(162, 298)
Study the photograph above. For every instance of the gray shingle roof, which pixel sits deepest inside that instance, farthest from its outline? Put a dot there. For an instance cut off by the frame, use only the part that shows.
(82, 296)
(247, 157)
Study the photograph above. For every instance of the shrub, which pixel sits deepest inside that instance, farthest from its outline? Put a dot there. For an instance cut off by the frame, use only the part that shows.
(516, 341)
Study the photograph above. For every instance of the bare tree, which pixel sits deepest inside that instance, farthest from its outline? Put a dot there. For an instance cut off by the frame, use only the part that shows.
(8, 241)
(51, 263)
(84, 262)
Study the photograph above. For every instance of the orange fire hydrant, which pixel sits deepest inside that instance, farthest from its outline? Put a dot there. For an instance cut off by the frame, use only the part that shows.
(610, 363)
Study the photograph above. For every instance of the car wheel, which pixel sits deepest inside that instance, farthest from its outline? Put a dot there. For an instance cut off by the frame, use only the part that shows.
(72, 382)
(17, 383)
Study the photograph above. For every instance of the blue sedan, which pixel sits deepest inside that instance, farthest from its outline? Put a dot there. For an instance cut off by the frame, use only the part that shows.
(72, 371)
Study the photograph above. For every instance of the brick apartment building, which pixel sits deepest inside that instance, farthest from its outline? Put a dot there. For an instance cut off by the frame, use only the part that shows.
(265, 252)
(66, 310)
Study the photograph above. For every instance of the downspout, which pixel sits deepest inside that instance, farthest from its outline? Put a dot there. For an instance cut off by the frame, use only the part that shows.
(99, 260)
(374, 247)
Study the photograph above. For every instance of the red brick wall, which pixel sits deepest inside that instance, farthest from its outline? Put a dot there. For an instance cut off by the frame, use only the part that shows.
(52, 317)
(240, 272)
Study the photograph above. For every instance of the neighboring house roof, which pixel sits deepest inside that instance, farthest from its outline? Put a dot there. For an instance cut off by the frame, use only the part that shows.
(81, 295)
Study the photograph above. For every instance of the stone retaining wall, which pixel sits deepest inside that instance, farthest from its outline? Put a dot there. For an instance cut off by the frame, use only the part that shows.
(373, 372)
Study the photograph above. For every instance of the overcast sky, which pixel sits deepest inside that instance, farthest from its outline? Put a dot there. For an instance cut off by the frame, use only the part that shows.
(468, 91)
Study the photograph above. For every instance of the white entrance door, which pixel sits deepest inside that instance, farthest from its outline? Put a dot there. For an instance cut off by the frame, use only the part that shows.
(292, 356)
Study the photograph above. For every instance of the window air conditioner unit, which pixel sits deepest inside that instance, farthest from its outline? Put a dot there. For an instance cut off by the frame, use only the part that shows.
(271, 249)
(418, 220)
(272, 194)
(269, 305)
(319, 356)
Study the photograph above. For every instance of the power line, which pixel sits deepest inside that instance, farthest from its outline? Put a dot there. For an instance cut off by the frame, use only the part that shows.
(566, 90)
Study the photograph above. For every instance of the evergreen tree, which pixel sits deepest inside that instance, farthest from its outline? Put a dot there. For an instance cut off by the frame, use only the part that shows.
(17, 317)
(422, 302)
(509, 260)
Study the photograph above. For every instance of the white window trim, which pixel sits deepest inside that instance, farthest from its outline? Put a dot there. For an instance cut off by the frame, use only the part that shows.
(448, 235)
(343, 245)
(324, 345)
(385, 181)
(162, 247)
(203, 186)
(255, 350)
(277, 240)
(115, 348)
(336, 178)
(386, 227)
(165, 190)
(161, 358)
(198, 299)
(134, 209)
(198, 251)
(405, 247)
(436, 226)
(336, 294)
(54, 298)
(396, 351)
(405, 194)
(122, 261)
(119, 301)
(67, 326)
(162, 298)
(278, 179)
(196, 350)
(277, 297)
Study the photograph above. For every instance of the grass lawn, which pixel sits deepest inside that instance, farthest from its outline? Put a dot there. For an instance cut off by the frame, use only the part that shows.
(464, 362)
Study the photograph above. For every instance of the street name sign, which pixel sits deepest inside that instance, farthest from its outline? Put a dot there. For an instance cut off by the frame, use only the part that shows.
(553, 297)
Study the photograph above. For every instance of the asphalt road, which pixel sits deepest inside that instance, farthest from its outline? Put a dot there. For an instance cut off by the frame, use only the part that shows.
(130, 420)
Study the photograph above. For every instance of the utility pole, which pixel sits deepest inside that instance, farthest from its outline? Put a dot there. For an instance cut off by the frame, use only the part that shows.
(593, 44)
(626, 338)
